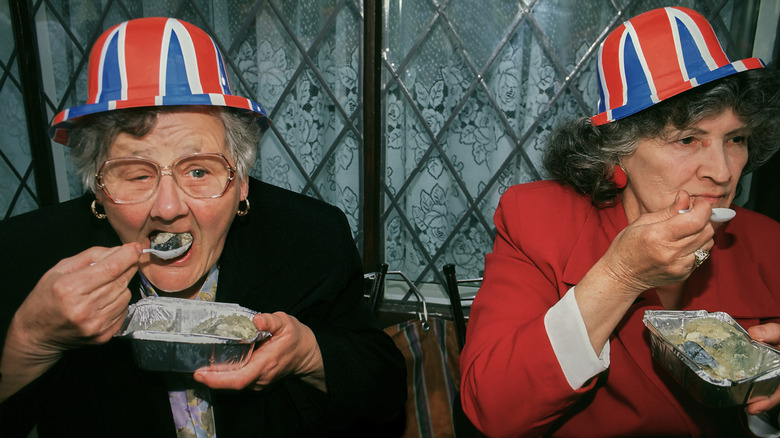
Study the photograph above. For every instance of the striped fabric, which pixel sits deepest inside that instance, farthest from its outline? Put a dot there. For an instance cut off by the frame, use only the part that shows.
(433, 376)
(637, 66)
(153, 62)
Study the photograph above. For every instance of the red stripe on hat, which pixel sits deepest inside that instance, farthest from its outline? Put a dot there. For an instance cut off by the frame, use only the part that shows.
(135, 103)
(93, 73)
(143, 78)
(59, 117)
(61, 136)
(611, 50)
(599, 119)
(208, 68)
(237, 102)
(751, 63)
(656, 38)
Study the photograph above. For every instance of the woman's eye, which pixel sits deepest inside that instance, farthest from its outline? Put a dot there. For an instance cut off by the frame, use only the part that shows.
(197, 173)
(739, 139)
(687, 140)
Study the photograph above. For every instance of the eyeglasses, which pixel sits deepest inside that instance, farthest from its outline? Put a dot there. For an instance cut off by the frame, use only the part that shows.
(130, 180)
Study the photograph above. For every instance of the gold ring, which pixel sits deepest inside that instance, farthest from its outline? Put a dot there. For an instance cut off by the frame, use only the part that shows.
(700, 256)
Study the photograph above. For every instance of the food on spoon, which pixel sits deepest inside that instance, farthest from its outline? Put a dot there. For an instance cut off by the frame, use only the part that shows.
(168, 241)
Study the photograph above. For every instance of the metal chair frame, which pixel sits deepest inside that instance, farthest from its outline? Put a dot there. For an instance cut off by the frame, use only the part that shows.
(456, 304)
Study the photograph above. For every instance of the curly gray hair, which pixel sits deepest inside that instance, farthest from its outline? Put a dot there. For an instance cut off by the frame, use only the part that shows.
(584, 156)
(91, 136)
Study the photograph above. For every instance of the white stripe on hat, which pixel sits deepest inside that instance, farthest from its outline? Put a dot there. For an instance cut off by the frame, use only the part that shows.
(122, 60)
(190, 56)
(622, 64)
(604, 89)
(166, 42)
(641, 55)
(677, 44)
(217, 99)
(698, 38)
(102, 62)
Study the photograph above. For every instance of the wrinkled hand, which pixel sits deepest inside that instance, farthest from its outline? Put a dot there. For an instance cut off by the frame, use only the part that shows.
(768, 334)
(657, 248)
(81, 300)
(292, 349)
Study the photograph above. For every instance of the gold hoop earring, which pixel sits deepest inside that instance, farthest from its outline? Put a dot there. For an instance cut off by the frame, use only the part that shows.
(93, 207)
(245, 211)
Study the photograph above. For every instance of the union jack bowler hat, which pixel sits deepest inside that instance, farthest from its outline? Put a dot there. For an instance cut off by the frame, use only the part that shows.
(153, 62)
(657, 55)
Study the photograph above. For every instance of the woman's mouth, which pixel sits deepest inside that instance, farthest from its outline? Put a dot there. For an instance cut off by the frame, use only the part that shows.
(714, 200)
(168, 246)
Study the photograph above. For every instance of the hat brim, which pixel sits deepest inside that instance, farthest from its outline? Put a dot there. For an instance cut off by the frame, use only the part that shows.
(63, 122)
(638, 104)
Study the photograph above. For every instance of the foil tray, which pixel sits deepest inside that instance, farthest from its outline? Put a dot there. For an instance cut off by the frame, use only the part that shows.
(175, 348)
(699, 383)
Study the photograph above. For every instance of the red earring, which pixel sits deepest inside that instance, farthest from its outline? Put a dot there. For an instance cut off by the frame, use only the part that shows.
(619, 177)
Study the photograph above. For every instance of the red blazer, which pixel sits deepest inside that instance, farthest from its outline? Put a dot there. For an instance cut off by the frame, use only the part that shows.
(548, 238)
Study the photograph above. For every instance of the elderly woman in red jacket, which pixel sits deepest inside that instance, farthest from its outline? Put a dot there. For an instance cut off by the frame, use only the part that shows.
(556, 345)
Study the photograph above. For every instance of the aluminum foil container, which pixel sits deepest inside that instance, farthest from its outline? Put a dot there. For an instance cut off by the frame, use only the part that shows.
(161, 331)
(703, 386)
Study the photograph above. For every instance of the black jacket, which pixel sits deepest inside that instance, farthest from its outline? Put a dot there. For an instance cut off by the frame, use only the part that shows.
(291, 253)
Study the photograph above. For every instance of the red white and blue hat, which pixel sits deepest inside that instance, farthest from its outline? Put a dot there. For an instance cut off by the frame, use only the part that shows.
(657, 55)
(153, 62)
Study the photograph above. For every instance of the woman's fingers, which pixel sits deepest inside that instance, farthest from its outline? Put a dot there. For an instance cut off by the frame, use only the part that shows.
(269, 361)
(768, 333)
(82, 299)
(764, 404)
(286, 352)
(658, 248)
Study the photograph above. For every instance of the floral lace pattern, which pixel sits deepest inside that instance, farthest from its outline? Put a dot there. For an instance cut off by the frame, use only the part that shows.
(470, 93)
(455, 142)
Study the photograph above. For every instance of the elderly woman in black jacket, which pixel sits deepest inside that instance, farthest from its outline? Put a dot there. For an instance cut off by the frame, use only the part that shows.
(160, 106)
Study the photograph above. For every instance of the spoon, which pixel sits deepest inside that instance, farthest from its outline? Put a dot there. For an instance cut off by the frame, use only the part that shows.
(169, 253)
(167, 246)
(718, 214)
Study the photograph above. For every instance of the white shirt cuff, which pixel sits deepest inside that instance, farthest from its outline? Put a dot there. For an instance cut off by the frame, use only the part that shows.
(570, 342)
(760, 427)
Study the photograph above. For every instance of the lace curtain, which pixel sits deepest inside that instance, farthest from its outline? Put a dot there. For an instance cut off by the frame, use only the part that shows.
(471, 90)
(314, 147)
(15, 157)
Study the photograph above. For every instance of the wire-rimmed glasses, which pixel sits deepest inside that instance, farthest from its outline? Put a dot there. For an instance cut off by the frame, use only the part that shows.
(130, 180)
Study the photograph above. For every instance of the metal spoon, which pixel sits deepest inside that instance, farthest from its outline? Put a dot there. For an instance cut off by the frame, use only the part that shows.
(718, 214)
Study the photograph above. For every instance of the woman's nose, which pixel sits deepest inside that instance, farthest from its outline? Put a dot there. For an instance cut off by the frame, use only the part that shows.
(169, 202)
(715, 162)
